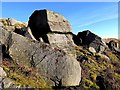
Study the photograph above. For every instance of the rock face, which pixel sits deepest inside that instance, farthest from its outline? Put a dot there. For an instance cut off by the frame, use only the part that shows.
(89, 39)
(113, 45)
(11, 24)
(49, 59)
(51, 27)
(57, 67)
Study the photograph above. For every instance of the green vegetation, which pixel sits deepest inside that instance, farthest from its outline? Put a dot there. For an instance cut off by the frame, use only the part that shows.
(20, 25)
(5, 22)
(24, 76)
(88, 84)
(106, 65)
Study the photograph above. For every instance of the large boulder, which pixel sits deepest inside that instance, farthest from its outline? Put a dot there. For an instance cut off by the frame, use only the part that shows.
(51, 27)
(54, 64)
(89, 39)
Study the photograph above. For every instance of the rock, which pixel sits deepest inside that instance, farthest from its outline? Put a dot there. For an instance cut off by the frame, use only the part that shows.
(1, 84)
(2, 72)
(24, 31)
(82, 59)
(2, 76)
(54, 64)
(103, 57)
(48, 24)
(52, 28)
(11, 24)
(7, 83)
(57, 22)
(89, 39)
(55, 38)
(12, 21)
(0, 52)
(5, 33)
(92, 50)
(102, 48)
(112, 45)
(100, 82)
(4, 21)
(1, 24)
(77, 40)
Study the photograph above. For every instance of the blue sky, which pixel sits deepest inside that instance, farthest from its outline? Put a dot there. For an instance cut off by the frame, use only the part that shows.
(98, 17)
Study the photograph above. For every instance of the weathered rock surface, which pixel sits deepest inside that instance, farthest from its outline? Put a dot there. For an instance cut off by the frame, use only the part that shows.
(55, 38)
(89, 39)
(51, 27)
(11, 24)
(92, 50)
(114, 46)
(12, 21)
(2, 72)
(57, 66)
(2, 76)
(57, 22)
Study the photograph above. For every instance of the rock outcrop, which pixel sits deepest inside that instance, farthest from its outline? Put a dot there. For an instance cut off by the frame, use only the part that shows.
(11, 24)
(89, 39)
(114, 46)
(51, 56)
(52, 27)
(56, 65)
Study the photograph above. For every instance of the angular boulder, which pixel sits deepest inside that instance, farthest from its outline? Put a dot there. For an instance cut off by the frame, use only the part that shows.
(89, 39)
(51, 27)
(54, 64)
(114, 46)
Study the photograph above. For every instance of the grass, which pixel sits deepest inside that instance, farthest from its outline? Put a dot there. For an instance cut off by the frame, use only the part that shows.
(24, 76)
(100, 66)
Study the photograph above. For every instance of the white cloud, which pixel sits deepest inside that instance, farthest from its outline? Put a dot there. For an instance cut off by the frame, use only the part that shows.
(99, 20)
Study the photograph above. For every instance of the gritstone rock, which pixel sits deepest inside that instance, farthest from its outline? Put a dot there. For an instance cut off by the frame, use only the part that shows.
(56, 66)
(49, 26)
(114, 46)
(89, 39)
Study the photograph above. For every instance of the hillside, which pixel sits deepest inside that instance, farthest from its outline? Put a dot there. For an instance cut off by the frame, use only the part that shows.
(45, 54)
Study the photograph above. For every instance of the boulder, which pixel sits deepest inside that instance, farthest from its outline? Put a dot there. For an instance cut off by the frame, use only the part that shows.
(8, 83)
(51, 27)
(112, 45)
(102, 57)
(92, 50)
(54, 64)
(89, 39)
(2, 73)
